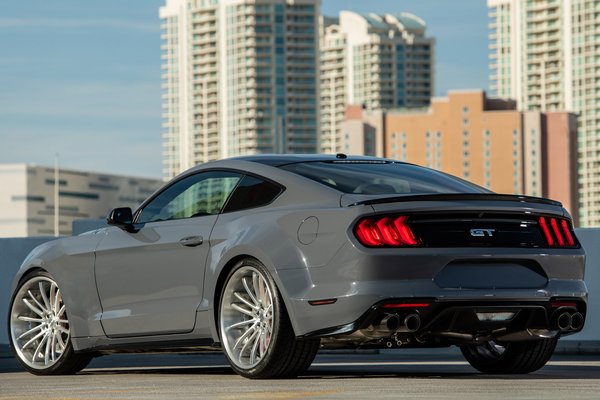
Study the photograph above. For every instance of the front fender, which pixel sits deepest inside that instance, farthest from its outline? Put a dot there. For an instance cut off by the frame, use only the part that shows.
(70, 262)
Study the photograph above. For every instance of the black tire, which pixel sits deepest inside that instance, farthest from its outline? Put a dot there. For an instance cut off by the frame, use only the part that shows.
(61, 359)
(509, 358)
(284, 356)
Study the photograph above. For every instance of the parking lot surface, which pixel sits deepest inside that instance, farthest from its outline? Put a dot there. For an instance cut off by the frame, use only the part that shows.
(393, 375)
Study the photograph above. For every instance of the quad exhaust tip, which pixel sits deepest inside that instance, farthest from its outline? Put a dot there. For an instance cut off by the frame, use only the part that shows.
(564, 321)
(392, 322)
(567, 321)
(577, 321)
(412, 322)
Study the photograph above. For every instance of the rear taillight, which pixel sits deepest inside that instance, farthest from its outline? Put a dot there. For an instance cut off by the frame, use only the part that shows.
(557, 232)
(388, 231)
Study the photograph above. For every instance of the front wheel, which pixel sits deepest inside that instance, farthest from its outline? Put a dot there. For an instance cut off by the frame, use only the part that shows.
(39, 328)
(509, 358)
(256, 333)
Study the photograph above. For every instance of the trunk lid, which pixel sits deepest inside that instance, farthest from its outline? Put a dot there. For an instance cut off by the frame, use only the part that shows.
(472, 220)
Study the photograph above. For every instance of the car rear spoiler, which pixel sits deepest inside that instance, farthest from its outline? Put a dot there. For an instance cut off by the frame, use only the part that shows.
(453, 196)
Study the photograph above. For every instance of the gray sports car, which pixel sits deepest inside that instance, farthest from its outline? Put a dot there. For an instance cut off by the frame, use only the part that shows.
(270, 258)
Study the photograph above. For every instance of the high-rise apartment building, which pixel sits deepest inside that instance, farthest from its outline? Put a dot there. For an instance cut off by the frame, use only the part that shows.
(378, 61)
(485, 141)
(544, 54)
(239, 77)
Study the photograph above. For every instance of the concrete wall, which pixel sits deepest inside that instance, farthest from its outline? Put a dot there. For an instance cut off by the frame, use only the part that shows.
(14, 250)
(590, 240)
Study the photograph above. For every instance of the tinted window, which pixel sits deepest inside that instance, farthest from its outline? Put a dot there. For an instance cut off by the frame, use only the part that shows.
(193, 196)
(252, 192)
(382, 178)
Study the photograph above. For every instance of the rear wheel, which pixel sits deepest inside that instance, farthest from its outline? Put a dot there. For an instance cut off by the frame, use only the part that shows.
(509, 358)
(39, 328)
(256, 333)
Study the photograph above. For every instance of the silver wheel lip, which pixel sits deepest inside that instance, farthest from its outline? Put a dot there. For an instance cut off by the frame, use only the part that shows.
(51, 320)
(229, 316)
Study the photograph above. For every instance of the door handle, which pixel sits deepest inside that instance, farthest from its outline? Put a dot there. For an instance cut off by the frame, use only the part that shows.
(191, 241)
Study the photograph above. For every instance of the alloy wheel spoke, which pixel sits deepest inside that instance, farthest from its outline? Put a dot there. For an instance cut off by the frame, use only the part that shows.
(29, 319)
(242, 310)
(33, 339)
(254, 350)
(39, 305)
(245, 335)
(263, 343)
(261, 291)
(249, 291)
(29, 332)
(246, 302)
(44, 296)
(33, 308)
(248, 342)
(240, 324)
(255, 286)
(54, 293)
(39, 347)
(61, 344)
(47, 349)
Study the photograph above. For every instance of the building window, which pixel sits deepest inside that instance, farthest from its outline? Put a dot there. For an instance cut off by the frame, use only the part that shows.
(80, 195)
(37, 199)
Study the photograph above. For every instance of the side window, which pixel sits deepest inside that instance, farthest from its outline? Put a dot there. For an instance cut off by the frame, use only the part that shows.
(252, 192)
(196, 195)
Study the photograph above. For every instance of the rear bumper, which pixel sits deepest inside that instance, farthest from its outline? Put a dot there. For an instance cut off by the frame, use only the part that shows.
(358, 278)
(355, 298)
(467, 320)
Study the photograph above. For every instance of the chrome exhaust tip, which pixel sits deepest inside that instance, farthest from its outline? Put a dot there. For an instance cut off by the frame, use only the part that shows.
(391, 322)
(412, 322)
(576, 321)
(564, 321)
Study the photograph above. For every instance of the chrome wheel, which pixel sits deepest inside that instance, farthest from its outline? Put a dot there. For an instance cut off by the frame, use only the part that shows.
(38, 323)
(246, 317)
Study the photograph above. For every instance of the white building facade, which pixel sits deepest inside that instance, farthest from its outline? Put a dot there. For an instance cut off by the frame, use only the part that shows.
(239, 77)
(378, 61)
(545, 54)
(27, 198)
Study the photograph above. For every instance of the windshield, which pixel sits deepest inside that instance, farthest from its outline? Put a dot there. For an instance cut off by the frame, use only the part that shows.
(381, 177)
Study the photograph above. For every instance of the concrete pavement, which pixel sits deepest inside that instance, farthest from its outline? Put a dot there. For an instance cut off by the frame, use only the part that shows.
(401, 375)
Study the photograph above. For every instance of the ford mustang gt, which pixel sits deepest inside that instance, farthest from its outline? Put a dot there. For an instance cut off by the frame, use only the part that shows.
(271, 258)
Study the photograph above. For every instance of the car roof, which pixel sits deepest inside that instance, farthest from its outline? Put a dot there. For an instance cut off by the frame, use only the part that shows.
(277, 160)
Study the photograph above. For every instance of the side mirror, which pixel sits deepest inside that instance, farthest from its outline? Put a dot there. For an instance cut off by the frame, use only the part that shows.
(121, 217)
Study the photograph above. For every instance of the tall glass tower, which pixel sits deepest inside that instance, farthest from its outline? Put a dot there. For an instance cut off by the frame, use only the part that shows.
(377, 61)
(239, 77)
(544, 54)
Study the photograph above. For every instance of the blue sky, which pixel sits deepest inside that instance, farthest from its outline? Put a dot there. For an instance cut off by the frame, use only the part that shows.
(82, 79)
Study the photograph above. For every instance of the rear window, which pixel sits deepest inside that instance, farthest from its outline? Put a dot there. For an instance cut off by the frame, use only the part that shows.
(381, 177)
(252, 192)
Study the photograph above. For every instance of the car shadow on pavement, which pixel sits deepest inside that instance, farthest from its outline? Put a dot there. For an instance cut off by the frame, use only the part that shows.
(563, 372)
(572, 369)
